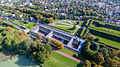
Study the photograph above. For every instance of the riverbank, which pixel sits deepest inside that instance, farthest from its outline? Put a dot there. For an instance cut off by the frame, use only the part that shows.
(5, 55)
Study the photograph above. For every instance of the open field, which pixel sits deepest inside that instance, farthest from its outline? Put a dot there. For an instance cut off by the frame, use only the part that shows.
(65, 25)
(30, 25)
(66, 22)
(65, 29)
(57, 60)
(71, 53)
(61, 24)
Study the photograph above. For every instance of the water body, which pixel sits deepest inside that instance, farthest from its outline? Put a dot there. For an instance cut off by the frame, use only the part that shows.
(20, 61)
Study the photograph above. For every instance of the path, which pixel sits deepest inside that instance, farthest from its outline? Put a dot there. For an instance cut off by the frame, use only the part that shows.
(86, 30)
(78, 27)
(68, 56)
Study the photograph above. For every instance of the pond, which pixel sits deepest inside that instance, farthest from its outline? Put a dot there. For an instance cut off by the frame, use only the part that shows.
(20, 61)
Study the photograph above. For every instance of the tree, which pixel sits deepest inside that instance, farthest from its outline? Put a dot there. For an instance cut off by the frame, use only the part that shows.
(39, 37)
(99, 59)
(61, 45)
(114, 53)
(87, 63)
(94, 46)
(58, 44)
(41, 53)
(9, 29)
(0, 19)
(48, 40)
(48, 47)
(38, 41)
(96, 40)
(26, 44)
(21, 35)
(74, 27)
(105, 52)
(112, 63)
(97, 65)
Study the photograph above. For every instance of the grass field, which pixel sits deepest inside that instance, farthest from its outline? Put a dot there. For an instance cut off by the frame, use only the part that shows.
(61, 24)
(30, 25)
(57, 60)
(67, 22)
(109, 42)
(74, 22)
(65, 29)
(70, 29)
(71, 53)
(106, 30)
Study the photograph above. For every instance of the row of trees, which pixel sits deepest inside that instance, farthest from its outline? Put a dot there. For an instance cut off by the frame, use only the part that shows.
(58, 44)
(99, 55)
(42, 16)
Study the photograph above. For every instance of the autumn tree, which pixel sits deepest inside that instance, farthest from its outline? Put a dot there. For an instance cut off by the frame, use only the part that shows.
(58, 44)
(0, 19)
(9, 29)
(48, 40)
(38, 41)
(112, 63)
(97, 65)
(87, 63)
(99, 59)
(114, 53)
(39, 37)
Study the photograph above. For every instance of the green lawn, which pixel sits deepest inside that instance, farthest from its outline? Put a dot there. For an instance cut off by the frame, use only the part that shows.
(109, 42)
(1, 52)
(61, 24)
(65, 29)
(70, 29)
(106, 30)
(67, 22)
(57, 60)
(30, 25)
(74, 22)
(71, 53)
(80, 23)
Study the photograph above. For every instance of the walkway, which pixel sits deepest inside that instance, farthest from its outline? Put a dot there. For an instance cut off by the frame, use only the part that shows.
(78, 27)
(68, 56)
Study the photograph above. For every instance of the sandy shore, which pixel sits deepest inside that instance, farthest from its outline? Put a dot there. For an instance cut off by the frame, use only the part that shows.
(8, 54)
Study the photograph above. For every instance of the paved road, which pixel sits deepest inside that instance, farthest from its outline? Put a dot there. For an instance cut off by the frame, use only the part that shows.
(68, 56)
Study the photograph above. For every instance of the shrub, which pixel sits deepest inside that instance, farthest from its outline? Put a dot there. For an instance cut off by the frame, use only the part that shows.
(58, 44)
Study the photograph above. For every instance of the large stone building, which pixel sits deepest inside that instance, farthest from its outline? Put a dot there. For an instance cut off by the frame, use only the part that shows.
(70, 41)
